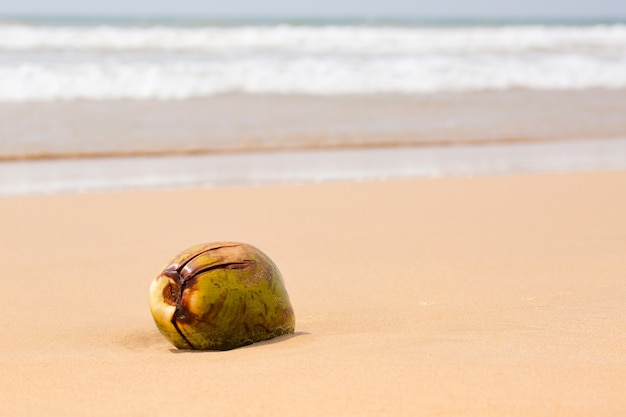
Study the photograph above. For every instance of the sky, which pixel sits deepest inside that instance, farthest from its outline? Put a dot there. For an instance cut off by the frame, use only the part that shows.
(323, 8)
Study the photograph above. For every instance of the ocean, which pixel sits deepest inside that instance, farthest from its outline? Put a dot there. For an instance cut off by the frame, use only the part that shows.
(52, 60)
(75, 88)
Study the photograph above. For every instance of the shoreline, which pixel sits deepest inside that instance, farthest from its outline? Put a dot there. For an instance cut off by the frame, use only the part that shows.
(165, 153)
(234, 122)
(300, 167)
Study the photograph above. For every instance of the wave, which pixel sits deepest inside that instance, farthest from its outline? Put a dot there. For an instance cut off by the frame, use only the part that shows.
(315, 39)
(48, 63)
(326, 76)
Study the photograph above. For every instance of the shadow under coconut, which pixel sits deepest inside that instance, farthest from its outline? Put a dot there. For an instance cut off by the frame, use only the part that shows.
(277, 339)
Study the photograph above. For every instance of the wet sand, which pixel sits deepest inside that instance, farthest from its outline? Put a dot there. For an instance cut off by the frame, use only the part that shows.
(300, 167)
(268, 122)
(487, 296)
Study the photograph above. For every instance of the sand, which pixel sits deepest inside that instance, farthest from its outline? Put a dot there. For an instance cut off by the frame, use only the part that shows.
(235, 122)
(492, 296)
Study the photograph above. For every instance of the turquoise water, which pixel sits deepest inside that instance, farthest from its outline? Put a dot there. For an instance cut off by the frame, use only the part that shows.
(304, 21)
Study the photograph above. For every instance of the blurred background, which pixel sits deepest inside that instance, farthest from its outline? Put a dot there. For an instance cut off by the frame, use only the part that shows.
(137, 94)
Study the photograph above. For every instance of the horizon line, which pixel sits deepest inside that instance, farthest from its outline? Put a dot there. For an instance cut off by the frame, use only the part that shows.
(147, 20)
(321, 16)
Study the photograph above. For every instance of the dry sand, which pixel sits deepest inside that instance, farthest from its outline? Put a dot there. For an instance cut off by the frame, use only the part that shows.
(494, 296)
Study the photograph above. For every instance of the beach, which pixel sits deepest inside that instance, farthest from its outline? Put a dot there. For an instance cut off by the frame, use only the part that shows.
(238, 140)
(481, 296)
(445, 201)
(268, 122)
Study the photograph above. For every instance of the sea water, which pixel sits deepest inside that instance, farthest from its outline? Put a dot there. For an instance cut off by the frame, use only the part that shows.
(74, 59)
(75, 89)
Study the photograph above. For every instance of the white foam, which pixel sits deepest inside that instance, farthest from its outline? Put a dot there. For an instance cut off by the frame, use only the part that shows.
(47, 63)
(315, 39)
(180, 80)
